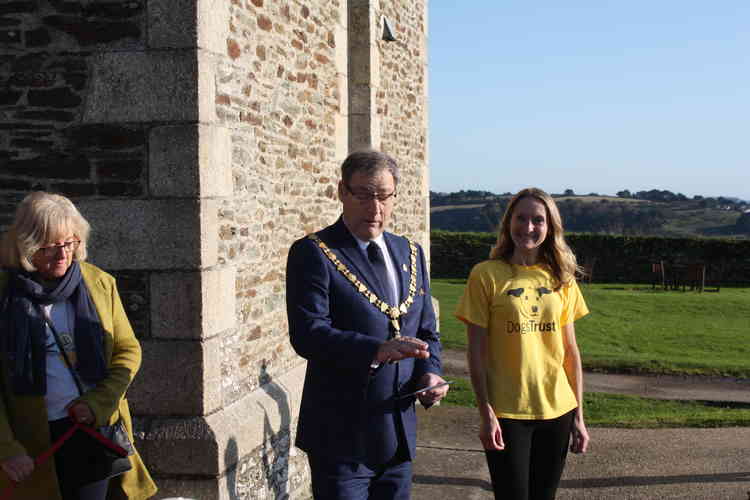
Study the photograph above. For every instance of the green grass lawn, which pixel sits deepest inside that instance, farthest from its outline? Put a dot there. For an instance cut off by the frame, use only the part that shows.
(452, 331)
(613, 410)
(633, 328)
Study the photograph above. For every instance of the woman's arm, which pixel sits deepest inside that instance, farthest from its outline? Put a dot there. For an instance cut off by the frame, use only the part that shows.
(15, 462)
(124, 364)
(489, 432)
(574, 371)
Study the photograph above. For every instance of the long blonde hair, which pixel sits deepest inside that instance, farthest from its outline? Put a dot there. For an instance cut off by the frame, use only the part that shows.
(554, 251)
(40, 218)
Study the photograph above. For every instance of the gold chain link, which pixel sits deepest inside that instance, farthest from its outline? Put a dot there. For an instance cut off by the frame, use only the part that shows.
(393, 312)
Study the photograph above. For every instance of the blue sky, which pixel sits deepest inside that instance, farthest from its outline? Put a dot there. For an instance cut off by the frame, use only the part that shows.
(594, 96)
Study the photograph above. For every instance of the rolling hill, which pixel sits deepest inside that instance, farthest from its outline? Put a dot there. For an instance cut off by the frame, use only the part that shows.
(603, 214)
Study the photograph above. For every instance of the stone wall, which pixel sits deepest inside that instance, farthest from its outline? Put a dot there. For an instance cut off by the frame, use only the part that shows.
(46, 65)
(278, 92)
(401, 107)
(47, 142)
(388, 105)
(201, 138)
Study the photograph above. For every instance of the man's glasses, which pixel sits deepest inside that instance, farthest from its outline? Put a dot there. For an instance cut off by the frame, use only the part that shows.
(67, 247)
(366, 196)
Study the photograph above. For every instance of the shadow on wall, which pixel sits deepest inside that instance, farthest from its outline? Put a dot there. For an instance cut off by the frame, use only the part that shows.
(274, 451)
(231, 457)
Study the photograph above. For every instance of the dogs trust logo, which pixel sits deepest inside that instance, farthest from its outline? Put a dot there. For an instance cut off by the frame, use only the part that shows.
(528, 302)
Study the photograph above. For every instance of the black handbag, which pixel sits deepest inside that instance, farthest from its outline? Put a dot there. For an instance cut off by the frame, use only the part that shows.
(110, 464)
(106, 462)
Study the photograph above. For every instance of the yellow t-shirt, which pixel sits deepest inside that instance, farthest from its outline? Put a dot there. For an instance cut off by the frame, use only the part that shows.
(524, 316)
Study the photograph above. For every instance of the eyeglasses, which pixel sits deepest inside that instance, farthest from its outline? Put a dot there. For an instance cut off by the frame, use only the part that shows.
(67, 247)
(364, 197)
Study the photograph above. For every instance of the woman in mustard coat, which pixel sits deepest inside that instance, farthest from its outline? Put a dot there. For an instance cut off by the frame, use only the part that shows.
(44, 273)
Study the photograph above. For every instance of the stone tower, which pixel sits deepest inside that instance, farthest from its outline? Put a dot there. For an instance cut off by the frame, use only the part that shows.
(200, 138)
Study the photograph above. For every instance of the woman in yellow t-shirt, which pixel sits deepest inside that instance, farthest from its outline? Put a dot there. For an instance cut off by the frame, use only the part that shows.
(519, 308)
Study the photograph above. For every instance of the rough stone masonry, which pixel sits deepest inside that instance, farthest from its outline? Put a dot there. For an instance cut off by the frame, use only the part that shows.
(200, 138)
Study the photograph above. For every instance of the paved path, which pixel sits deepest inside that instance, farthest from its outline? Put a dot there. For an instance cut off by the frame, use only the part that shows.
(651, 386)
(710, 464)
(671, 387)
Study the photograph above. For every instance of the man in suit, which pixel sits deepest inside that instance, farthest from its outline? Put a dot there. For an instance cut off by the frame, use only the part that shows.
(360, 312)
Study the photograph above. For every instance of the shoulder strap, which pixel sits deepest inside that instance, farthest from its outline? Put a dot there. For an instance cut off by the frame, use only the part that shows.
(60, 346)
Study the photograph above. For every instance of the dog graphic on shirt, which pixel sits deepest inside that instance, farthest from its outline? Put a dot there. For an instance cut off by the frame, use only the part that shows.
(529, 303)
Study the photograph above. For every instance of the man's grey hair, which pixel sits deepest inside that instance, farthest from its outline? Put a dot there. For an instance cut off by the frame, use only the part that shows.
(369, 163)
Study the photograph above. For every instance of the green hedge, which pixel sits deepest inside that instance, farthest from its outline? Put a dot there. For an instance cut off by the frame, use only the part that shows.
(452, 255)
(617, 259)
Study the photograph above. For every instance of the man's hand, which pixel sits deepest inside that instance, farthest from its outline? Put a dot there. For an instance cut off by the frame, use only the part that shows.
(433, 396)
(402, 348)
(81, 413)
(18, 468)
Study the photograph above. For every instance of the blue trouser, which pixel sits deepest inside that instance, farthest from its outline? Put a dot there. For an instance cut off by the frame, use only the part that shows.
(355, 481)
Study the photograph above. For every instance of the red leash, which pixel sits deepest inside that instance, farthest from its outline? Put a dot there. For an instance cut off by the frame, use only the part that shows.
(7, 493)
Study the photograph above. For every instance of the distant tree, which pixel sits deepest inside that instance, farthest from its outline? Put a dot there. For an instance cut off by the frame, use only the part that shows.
(569, 192)
(655, 195)
(460, 197)
(743, 223)
(725, 201)
(593, 194)
(624, 194)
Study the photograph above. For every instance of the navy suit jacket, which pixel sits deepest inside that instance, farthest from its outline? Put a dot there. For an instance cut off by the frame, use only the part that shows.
(348, 414)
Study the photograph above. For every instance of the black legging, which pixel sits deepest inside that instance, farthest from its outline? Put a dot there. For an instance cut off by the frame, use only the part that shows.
(72, 461)
(530, 466)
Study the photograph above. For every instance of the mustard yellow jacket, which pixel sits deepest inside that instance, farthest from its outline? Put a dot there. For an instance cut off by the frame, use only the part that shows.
(23, 419)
